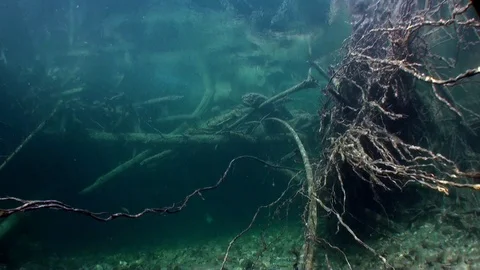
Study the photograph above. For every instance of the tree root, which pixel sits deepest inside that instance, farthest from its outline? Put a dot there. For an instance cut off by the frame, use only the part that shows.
(312, 219)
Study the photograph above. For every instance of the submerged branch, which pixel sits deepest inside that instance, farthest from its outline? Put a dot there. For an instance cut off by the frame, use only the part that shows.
(118, 170)
(34, 132)
(172, 140)
(306, 84)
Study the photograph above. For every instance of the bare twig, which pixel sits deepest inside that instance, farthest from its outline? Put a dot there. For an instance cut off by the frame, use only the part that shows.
(29, 137)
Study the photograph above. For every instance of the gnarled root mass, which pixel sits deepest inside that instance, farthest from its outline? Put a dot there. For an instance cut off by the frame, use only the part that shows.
(397, 83)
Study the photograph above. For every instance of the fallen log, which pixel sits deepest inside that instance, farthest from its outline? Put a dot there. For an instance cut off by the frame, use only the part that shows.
(166, 140)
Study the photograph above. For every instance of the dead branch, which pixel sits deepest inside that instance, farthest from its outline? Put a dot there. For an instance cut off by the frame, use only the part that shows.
(205, 102)
(68, 92)
(116, 171)
(306, 84)
(157, 157)
(158, 100)
(29, 137)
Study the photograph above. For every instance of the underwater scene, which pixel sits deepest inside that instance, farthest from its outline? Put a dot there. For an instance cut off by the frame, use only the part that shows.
(239, 134)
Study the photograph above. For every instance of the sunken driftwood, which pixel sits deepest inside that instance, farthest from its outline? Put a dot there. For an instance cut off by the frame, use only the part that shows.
(116, 171)
(306, 84)
(154, 139)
